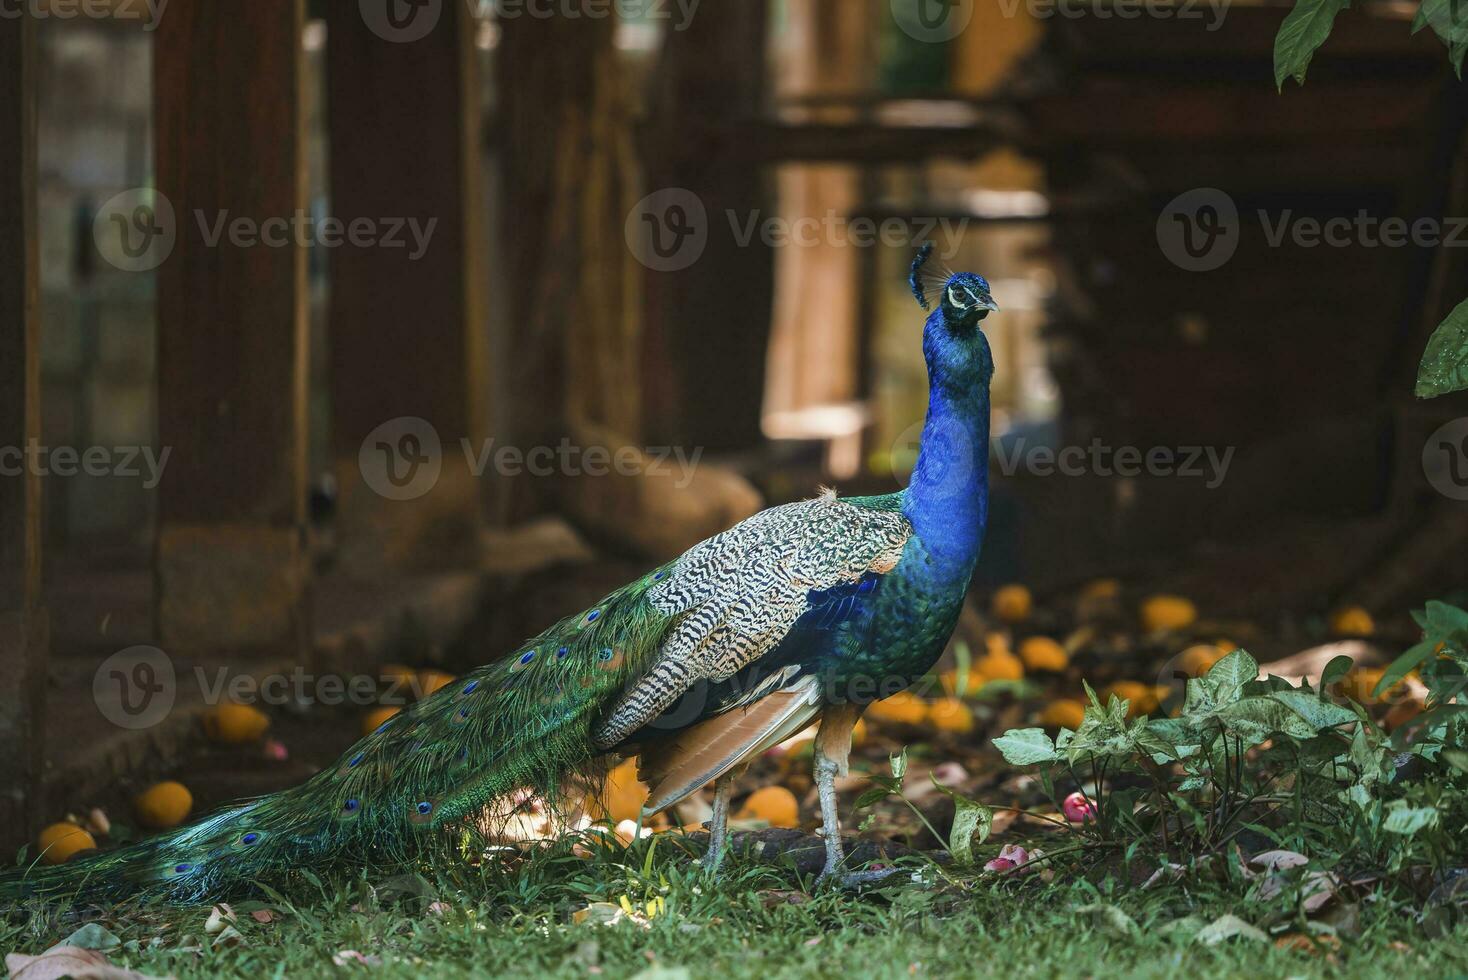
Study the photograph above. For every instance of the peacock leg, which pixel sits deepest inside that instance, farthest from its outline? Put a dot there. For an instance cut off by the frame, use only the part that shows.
(832, 752)
(718, 823)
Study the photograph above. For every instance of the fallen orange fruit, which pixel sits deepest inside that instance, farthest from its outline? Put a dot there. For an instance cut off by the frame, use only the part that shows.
(775, 805)
(61, 840)
(1043, 654)
(163, 805)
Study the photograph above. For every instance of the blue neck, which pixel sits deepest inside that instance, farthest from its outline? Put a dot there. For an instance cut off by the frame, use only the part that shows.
(947, 499)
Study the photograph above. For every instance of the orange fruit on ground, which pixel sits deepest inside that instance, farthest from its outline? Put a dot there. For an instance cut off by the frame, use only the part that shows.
(949, 680)
(1012, 604)
(1043, 654)
(373, 719)
(1402, 712)
(235, 723)
(1167, 612)
(1144, 698)
(951, 715)
(61, 840)
(163, 805)
(1196, 661)
(431, 680)
(902, 708)
(624, 795)
(1064, 713)
(1351, 621)
(1102, 588)
(775, 805)
(999, 667)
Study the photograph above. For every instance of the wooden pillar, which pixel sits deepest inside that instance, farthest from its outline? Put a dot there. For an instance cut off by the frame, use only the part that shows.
(23, 638)
(712, 318)
(406, 327)
(230, 565)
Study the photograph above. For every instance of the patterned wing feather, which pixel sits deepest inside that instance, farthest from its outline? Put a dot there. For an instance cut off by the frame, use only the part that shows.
(738, 594)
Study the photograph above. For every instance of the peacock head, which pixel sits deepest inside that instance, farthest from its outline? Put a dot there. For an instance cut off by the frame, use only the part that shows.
(957, 350)
(966, 301)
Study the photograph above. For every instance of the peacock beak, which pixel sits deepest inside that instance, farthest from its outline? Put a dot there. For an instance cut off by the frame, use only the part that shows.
(986, 302)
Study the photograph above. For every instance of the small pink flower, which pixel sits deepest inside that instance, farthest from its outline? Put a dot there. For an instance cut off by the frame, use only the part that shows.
(1077, 808)
(276, 750)
(1010, 857)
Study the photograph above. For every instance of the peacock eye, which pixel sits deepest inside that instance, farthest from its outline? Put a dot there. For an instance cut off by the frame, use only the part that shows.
(953, 297)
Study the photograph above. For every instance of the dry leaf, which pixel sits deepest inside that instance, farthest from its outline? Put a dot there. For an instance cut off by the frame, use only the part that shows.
(68, 961)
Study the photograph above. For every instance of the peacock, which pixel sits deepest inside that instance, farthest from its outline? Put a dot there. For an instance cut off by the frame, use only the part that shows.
(803, 613)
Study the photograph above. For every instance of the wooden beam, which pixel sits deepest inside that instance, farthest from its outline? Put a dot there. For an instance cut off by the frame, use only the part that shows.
(406, 323)
(231, 328)
(23, 646)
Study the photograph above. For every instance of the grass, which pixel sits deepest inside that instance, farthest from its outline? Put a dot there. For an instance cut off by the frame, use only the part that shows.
(753, 921)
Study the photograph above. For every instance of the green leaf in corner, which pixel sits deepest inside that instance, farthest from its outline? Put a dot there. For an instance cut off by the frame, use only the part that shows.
(1301, 35)
(1026, 746)
(1444, 366)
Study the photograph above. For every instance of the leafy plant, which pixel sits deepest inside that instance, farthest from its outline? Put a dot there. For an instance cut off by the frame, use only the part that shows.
(1285, 762)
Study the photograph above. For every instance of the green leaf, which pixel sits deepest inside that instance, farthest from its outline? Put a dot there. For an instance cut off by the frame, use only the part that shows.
(969, 818)
(1444, 366)
(1457, 759)
(872, 796)
(1447, 18)
(1443, 619)
(1109, 920)
(1405, 819)
(1026, 746)
(1404, 665)
(1338, 668)
(899, 764)
(1228, 927)
(1318, 715)
(1301, 35)
(1227, 678)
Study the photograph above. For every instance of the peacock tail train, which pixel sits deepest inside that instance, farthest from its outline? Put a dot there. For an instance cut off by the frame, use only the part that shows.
(450, 763)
